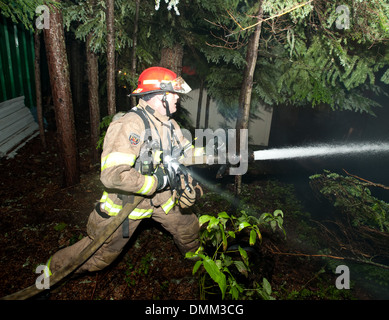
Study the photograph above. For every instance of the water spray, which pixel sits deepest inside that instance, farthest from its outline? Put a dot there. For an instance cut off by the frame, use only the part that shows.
(321, 150)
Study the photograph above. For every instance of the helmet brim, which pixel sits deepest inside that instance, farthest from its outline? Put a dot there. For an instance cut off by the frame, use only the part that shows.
(139, 94)
(177, 85)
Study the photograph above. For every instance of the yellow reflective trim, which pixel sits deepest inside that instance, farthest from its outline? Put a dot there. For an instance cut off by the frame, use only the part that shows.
(47, 271)
(108, 205)
(117, 158)
(140, 214)
(147, 185)
(104, 197)
(114, 209)
(157, 156)
(168, 205)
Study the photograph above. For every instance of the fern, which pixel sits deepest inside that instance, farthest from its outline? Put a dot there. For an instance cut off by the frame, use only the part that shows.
(385, 77)
(348, 193)
(23, 11)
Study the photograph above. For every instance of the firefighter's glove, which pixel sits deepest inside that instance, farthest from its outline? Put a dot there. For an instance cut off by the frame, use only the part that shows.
(188, 195)
(161, 178)
(187, 198)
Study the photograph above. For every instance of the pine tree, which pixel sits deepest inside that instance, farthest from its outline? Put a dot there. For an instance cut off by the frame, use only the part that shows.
(62, 98)
(304, 59)
(24, 12)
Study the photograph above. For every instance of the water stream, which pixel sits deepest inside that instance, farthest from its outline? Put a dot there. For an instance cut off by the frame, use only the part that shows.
(322, 150)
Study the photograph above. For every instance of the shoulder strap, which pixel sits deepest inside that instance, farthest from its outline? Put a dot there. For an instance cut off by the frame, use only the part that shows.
(146, 122)
(143, 117)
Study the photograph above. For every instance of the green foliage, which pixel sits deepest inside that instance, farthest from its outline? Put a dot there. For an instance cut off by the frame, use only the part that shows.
(126, 78)
(304, 59)
(134, 272)
(337, 66)
(88, 19)
(60, 226)
(103, 126)
(385, 77)
(273, 8)
(314, 68)
(322, 292)
(75, 238)
(353, 197)
(23, 11)
(221, 264)
(368, 20)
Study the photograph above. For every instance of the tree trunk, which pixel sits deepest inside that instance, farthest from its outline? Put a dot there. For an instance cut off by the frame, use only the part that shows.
(93, 98)
(199, 104)
(38, 87)
(207, 111)
(76, 73)
(111, 88)
(171, 58)
(246, 89)
(62, 97)
(134, 41)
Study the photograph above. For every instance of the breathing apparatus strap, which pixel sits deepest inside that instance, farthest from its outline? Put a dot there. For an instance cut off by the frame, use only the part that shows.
(166, 104)
(148, 135)
(126, 223)
(173, 154)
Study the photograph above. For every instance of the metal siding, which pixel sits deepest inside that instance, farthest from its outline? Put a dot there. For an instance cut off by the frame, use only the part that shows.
(17, 126)
(16, 62)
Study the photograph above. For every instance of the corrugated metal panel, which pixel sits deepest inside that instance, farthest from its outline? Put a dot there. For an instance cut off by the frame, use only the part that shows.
(17, 126)
(16, 62)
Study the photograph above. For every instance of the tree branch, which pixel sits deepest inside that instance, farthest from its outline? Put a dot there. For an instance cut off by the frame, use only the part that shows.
(331, 257)
(283, 12)
(367, 181)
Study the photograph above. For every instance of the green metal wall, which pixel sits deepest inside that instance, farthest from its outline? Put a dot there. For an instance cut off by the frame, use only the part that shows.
(16, 62)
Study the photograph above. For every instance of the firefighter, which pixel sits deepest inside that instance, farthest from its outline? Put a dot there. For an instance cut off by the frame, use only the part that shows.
(132, 164)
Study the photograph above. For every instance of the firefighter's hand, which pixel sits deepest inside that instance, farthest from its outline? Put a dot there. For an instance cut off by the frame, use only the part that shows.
(161, 178)
(174, 171)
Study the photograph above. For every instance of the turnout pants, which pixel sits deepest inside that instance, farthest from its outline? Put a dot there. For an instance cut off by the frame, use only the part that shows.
(183, 227)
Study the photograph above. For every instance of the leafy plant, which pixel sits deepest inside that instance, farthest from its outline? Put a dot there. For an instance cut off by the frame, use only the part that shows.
(349, 193)
(60, 226)
(222, 264)
(24, 11)
(103, 130)
(133, 272)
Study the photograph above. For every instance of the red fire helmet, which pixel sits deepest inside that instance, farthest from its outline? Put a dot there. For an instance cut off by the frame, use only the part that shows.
(158, 79)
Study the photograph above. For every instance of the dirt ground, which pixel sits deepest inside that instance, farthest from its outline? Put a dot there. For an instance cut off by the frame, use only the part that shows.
(39, 216)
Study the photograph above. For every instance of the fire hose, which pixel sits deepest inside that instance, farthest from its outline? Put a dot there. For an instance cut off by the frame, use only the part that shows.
(83, 256)
(96, 243)
(174, 169)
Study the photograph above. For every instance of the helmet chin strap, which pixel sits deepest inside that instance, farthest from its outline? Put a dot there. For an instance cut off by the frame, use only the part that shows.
(166, 104)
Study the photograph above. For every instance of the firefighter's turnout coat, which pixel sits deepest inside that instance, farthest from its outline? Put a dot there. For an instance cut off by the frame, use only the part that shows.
(128, 148)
